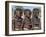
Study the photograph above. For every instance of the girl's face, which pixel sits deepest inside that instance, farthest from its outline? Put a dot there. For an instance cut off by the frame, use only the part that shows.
(18, 13)
(36, 14)
(27, 13)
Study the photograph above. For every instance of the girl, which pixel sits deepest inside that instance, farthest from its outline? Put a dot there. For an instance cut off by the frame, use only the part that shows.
(36, 19)
(17, 21)
(27, 20)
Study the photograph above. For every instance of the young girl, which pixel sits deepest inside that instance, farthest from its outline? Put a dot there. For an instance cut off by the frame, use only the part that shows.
(17, 21)
(36, 19)
(27, 20)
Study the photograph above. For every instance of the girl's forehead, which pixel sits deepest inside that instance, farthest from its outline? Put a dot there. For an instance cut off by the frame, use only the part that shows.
(27, 12)
(17, 11)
